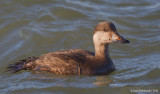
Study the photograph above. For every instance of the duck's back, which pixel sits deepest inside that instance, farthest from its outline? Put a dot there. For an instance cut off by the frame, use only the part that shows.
(62, 62)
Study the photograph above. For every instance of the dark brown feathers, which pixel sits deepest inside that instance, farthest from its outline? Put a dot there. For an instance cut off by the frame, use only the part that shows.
(19, 65)
(105, 26)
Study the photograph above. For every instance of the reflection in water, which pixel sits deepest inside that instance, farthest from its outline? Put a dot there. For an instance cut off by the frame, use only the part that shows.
(99, 80)
(103, 81)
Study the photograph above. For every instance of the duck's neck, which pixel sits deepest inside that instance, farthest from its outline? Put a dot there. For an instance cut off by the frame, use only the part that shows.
(102, 53)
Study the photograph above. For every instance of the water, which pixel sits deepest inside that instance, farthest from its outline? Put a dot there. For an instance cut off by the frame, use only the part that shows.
(35, 27)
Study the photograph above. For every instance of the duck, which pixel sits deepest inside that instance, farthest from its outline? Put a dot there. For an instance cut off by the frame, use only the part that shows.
(77, 61)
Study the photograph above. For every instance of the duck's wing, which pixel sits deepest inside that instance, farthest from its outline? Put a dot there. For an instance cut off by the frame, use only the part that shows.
(62, 62)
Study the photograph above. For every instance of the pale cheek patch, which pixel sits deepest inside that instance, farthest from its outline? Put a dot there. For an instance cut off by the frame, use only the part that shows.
(102, 36)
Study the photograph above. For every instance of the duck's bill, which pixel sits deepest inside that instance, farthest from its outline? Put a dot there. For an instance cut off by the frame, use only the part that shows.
(122, 41)
(116, 38)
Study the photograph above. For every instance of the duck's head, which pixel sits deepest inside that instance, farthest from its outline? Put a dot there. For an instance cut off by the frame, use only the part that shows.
(105, 33)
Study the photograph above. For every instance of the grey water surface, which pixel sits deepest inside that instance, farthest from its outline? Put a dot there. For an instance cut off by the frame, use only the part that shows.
(35, 27)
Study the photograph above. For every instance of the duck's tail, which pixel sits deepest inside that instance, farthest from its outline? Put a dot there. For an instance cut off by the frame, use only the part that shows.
(18, 66)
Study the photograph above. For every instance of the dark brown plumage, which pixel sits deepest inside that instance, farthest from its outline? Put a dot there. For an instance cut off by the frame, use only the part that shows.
(105, 26)
(78, 61)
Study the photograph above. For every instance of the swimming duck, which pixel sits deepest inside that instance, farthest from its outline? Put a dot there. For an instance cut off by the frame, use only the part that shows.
(78, 61)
